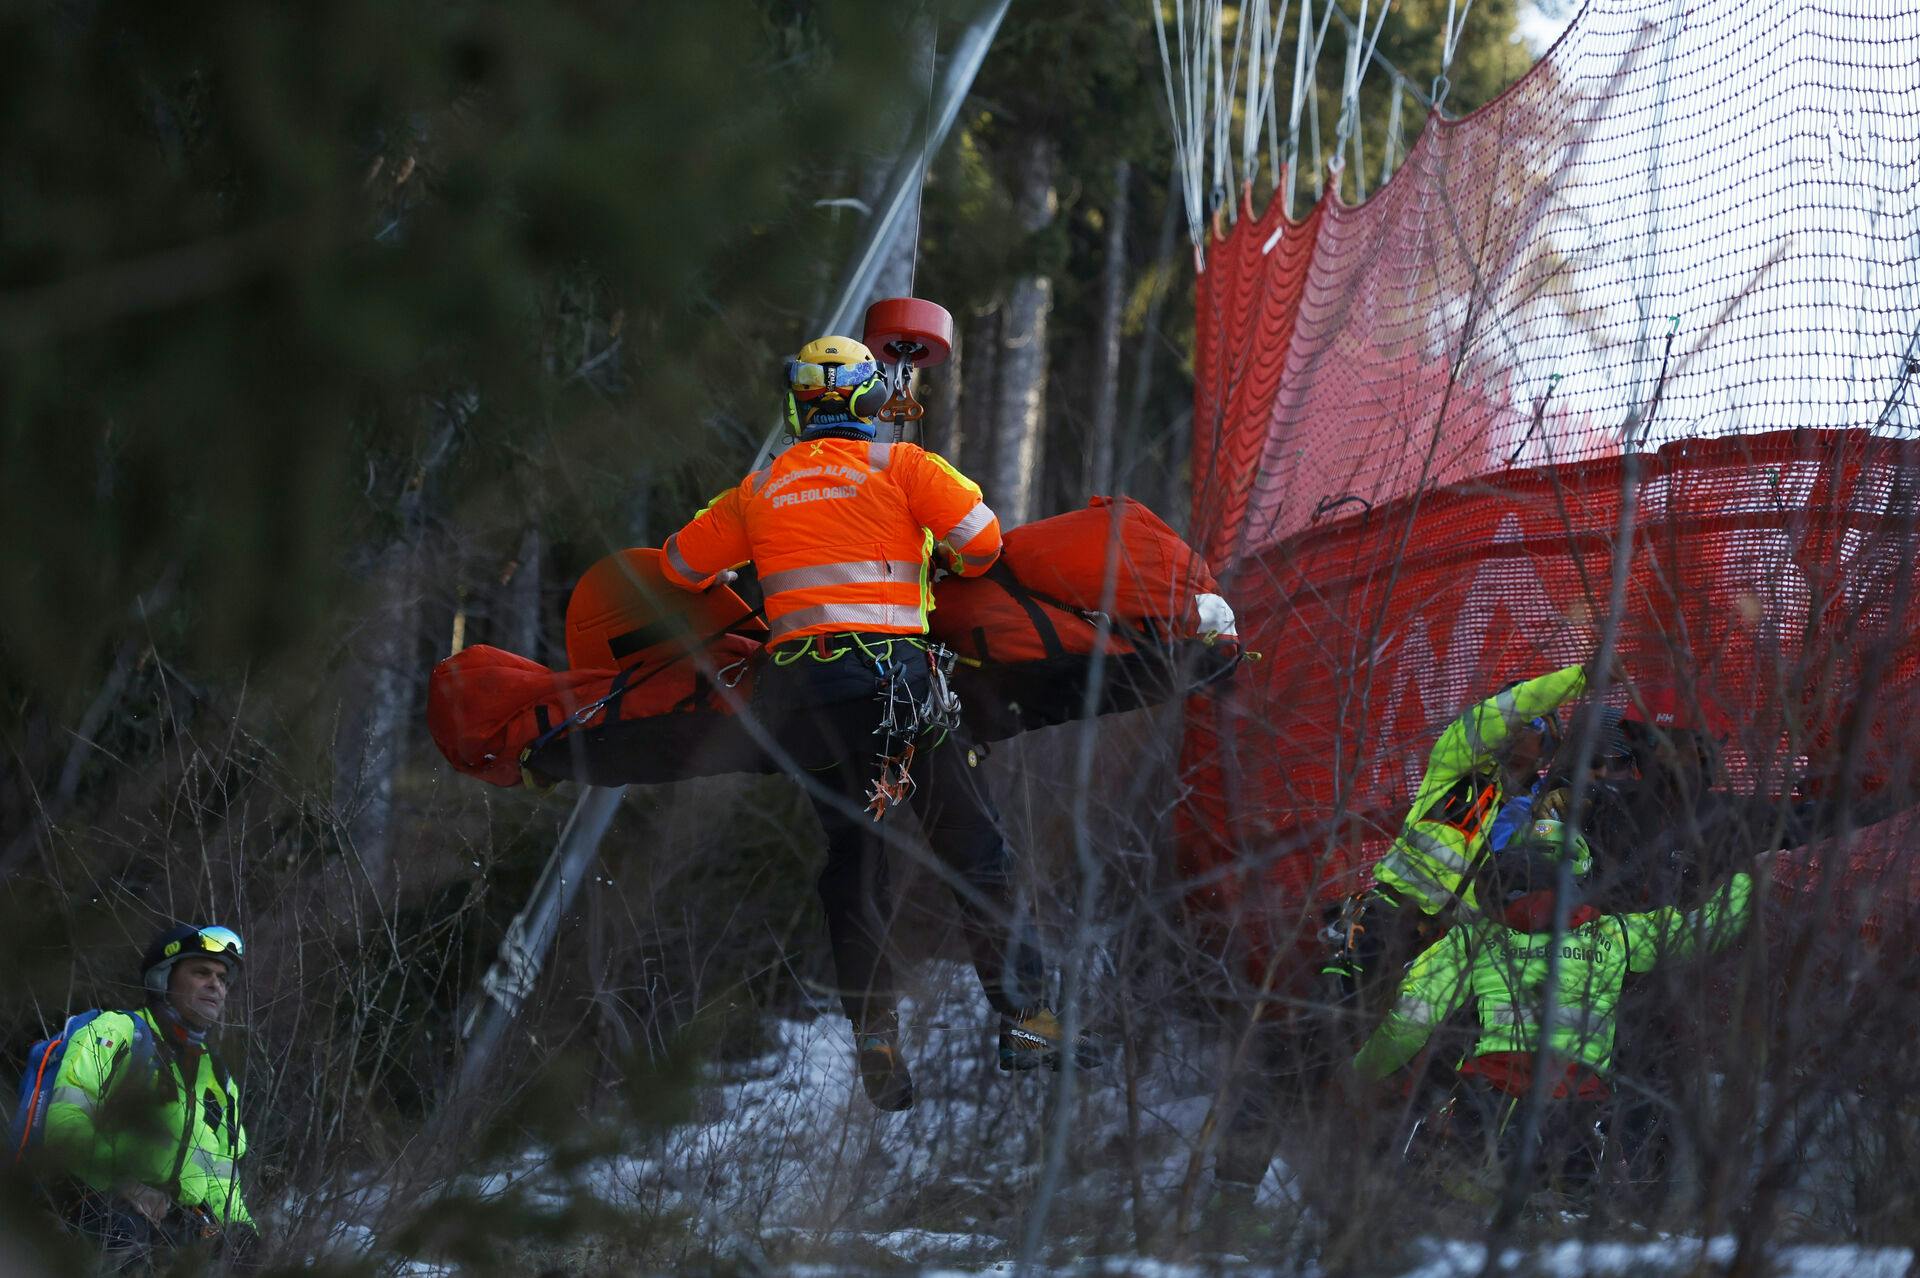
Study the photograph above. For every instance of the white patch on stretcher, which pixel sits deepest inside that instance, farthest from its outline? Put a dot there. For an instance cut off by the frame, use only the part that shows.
(1216, 617)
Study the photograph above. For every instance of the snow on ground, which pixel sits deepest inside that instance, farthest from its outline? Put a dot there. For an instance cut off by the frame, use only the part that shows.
(1454, 1259)
(788, 1145)
(1464, 1260)
(786, 1170)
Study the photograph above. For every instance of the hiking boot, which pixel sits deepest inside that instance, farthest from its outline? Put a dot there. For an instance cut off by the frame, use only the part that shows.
(1035, 1038)
(882, 1065)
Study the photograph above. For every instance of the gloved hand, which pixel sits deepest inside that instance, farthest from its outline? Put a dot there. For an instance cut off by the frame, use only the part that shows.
(148, 1201)
(1614, 668)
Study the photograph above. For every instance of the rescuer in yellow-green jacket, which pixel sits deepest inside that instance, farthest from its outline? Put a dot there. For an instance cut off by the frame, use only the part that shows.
(1500, 964)
(142, 1120)
(1493, 748)
(1505, 960)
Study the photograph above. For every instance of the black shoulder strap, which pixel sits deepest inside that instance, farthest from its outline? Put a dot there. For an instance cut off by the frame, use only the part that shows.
(168, 1051)
(220, 1074)
(1140, 638)
(630, 678)
(1002, 576)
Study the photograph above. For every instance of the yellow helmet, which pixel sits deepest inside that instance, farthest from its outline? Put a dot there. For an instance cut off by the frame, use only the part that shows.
(834, 350)
(834, 382)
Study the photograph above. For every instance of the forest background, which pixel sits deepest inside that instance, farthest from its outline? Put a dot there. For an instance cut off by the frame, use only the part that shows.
(338, 337)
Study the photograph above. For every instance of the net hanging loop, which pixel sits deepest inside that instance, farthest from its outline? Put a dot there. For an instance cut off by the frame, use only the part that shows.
(1449, 45)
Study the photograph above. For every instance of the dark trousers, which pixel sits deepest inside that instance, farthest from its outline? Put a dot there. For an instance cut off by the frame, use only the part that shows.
(1294, 1053)
(1475, 1138)
(128, 1243)
(823, 713)
(1265, 1086)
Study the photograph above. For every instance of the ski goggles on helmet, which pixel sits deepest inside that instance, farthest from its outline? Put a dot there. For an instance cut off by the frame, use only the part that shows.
(810, 381)
(213, 940)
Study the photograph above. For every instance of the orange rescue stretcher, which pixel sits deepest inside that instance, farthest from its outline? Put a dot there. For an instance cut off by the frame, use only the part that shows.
(660, 677)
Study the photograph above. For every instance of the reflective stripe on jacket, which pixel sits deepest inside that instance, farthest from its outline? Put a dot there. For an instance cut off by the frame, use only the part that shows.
(840, 531)
(109, 1129)
(1446, 829)
(1504, 972)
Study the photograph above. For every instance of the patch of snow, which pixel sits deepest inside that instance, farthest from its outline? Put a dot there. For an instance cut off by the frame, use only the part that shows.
(787, 1168)
(1453, 1258)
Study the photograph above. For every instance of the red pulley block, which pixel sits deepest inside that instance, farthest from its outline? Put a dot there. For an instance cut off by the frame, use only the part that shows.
(910, 329)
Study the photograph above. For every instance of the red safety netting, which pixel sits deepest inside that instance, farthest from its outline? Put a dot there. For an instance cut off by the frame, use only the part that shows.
(1688, 235)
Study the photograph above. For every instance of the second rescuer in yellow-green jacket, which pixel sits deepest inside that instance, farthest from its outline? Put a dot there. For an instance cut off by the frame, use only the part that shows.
(1501, 964)
(1445, 833)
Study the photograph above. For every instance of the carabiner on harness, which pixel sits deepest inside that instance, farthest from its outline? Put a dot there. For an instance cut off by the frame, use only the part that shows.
(905, 721)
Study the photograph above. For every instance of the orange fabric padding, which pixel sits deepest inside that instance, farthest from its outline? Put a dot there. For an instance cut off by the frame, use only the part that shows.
(838, 531)
(1155, 573)
(624, 612)
(486, 705)
(1063, 563)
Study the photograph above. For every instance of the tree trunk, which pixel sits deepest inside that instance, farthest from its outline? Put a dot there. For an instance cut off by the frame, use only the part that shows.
(940, 429)
(895, 276)
(385, 664)
(1133, 446)
(1179, 501)
(899, 257)
(1020, 403)
(520, 600)
(639, 512)
(1113, 301)
(973, 432)
(380, 707)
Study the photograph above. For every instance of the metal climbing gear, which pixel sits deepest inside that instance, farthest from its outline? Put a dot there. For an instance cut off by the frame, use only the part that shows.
(905, 721)
(1342, 935)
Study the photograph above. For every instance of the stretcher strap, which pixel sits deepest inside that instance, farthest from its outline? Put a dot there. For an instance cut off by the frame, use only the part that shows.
(1002, 576)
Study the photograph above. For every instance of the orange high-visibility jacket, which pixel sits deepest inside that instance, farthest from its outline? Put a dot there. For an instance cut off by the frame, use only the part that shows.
(840, 531)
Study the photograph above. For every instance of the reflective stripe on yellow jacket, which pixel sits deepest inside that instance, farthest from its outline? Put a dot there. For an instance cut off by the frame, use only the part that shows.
(1438, 847)
(110, 1129)
(840, 531)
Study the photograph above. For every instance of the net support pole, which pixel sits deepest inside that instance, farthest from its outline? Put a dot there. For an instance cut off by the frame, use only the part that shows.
(523, 950)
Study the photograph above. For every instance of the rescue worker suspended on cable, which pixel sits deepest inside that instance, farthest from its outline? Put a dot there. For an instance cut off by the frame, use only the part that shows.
(841, 529)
